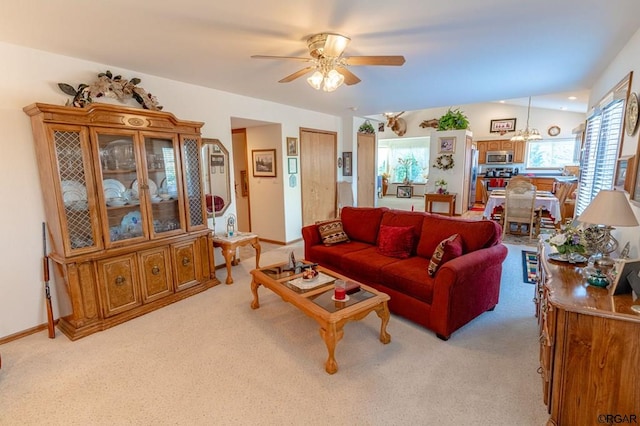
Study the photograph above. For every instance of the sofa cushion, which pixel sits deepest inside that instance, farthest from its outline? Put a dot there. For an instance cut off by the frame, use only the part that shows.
(362, 223)
(475, 234)
(448, 249)
(331, 232)
(410, 277)
(405, 218)
(395, 241)
(331, 256)
(365, 264)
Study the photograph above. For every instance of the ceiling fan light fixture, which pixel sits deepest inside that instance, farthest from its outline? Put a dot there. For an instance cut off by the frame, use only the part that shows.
(315, 80)
(332, 81)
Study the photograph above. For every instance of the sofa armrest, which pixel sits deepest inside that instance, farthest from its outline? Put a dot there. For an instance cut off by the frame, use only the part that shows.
(465, 287)
(311, 237)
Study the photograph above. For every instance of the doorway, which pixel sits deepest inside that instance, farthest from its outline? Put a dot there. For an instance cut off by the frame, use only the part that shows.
(240, 179)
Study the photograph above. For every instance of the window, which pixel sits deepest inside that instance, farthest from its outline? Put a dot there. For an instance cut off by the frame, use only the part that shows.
(415, 155)
(551, 154)
(600, 152)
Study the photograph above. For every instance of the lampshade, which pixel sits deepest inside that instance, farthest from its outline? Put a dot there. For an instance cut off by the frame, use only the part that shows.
(609, 208)
(325, 78)
(315, 80)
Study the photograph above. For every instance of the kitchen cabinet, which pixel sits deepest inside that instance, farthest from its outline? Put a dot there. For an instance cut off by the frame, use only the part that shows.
(543, 183)
(589, 347)
(125, 210)
(519, 151)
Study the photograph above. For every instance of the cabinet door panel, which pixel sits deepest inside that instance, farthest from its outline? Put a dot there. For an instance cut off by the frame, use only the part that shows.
(81, 231)
(119, 285)
(155, 274)
(186, 258)
(192, 185)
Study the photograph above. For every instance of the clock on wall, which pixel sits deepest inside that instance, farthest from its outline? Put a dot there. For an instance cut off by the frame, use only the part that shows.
(553, 131)
(631, 117)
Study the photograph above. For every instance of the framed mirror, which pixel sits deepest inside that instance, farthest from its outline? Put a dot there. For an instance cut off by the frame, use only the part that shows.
(216, 179)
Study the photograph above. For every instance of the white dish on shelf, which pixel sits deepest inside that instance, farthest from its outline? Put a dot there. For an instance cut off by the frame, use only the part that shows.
(113, 188)
(132, 221)
(153, 188)
(116, 202)
(73, 191)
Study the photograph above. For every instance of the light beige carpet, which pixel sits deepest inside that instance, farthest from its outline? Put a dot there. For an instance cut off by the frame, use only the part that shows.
(211, 359)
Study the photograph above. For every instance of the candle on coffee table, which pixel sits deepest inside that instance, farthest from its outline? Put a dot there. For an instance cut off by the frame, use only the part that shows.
(340, 291)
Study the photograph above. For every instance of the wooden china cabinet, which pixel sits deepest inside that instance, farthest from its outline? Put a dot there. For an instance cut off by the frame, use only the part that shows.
(589, 347)
(125, 209)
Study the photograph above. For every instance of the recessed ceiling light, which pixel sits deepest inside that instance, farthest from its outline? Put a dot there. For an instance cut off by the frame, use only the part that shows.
(572, 98)
(563, 108)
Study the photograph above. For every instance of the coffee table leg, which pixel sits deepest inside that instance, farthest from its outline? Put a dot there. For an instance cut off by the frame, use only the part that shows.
(383, 313)
(254, 289)
(331, 337)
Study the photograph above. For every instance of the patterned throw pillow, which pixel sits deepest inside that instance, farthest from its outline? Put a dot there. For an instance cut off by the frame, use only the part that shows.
(395, 241)
(331, 232)
(448, 249)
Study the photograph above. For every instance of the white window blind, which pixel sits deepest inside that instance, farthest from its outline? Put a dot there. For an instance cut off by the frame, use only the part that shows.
(600, 152)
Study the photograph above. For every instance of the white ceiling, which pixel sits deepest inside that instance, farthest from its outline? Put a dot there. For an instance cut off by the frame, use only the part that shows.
(457, 52)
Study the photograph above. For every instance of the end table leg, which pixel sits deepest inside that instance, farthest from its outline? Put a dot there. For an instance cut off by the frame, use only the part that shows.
(383, 313)
(257, 248)
(255, 304)
(331, 336)
(228, 257)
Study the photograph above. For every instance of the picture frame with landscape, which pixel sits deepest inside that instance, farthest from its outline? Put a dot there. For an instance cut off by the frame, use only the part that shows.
(264, 162)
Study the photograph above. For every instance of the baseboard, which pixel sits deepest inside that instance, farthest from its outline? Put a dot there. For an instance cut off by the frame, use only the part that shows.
(24, 333)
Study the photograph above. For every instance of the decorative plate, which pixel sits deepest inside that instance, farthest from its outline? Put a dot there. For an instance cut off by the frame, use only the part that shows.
(631, 116)
(73, 191)
(153, 188)
(553, 131)
(131, 222)
(113, 188)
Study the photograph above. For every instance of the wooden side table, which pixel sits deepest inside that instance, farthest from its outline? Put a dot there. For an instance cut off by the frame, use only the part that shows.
(430, 198)
(229, 246)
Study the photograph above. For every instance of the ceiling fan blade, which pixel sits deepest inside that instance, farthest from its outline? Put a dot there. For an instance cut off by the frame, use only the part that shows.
(374, 60)
(296, 74)
(295, 58)
(349, 77)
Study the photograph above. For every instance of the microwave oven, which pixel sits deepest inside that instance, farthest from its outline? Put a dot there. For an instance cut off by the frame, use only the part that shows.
(499, 157)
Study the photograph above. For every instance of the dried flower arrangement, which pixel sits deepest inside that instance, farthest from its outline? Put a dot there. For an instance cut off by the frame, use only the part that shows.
(112, 87)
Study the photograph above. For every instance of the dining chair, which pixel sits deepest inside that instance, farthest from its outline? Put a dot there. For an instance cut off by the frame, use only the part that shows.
(520, 178)
(519, 208)
(563, 191)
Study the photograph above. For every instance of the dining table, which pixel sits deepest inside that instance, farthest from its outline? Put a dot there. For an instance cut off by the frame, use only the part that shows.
(544, 199)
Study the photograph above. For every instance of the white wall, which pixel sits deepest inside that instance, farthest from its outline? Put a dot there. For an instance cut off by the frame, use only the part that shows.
(31, 76)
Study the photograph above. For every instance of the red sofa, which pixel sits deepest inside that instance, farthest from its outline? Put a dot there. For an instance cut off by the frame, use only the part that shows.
(462, 288)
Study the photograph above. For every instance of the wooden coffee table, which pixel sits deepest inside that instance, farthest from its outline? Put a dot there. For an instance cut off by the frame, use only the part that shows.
(318, 303)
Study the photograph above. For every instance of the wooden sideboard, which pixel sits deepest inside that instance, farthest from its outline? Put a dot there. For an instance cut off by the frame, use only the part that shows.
(589, 347)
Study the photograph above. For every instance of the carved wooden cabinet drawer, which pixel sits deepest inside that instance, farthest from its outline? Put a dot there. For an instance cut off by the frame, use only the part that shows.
(186, 260)
(118, 284)
(155, 274)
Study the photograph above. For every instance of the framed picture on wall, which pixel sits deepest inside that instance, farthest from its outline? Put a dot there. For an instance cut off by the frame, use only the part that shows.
(346, 164)
(447, 145)
(292, 165)
(292, 146)
(503, 125)
(264, 162)
(622, 172)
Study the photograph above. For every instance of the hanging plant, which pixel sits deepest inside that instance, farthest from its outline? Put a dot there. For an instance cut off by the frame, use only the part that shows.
(453, 120)
(366, 127)
(111, 87)
(444, 162)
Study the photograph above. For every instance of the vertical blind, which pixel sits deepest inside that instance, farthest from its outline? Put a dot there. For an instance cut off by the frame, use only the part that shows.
(600, 152)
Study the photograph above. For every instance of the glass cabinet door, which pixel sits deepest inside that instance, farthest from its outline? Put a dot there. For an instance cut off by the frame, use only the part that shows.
(193, 187)
(163, 176)
(120, 191)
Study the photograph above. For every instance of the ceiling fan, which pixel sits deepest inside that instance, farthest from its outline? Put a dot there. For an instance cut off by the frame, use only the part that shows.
(330, 66)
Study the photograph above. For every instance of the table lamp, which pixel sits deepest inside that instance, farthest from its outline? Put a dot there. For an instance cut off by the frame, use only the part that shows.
(608, 209)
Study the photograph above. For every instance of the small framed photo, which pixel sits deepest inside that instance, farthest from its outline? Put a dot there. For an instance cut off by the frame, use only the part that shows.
(503, 126)
(404, 191)
(244, 183)
(264, 162)
(621, 174)
(626, 277)
(346, 164)
(447, 145)
(293, 166)
(292, 146)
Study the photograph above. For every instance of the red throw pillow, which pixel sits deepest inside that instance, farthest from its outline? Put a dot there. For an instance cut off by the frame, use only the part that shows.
(331, 232)
(395, 241)
(448, 249)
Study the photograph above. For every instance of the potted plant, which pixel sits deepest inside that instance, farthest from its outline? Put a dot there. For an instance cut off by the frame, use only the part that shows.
(366, 127)
(454, 119)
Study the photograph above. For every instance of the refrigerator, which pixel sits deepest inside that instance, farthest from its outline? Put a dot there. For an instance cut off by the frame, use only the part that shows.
(473, 175)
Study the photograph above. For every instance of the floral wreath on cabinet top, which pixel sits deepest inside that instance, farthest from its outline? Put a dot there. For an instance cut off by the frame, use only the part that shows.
(444, 162)
(111, 87)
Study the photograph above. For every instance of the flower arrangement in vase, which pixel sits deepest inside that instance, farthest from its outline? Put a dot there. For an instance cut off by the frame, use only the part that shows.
(441, 186)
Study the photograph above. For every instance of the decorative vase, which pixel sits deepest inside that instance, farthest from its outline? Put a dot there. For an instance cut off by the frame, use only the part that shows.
(385, 186)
